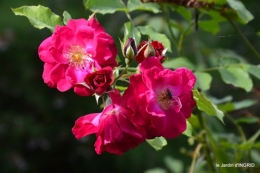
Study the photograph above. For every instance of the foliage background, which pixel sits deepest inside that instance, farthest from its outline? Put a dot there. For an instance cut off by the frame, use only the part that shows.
(36, 121)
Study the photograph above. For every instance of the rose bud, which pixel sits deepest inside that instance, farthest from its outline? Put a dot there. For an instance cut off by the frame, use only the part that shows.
(129, 50)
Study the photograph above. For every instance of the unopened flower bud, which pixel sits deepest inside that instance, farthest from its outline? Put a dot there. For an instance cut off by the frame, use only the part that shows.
(130, 50)
(149, 51)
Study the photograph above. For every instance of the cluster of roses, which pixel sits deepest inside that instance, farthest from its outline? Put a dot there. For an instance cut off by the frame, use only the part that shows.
(157, 102)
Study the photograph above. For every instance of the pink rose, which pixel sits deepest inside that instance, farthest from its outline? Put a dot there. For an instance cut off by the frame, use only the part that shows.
(114, 129)
(161, 98)
(74, 51)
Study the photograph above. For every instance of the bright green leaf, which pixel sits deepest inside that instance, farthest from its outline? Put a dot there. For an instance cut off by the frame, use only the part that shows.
(179, 62)
(188, 131)
(242, 12)
(157, 143)
(236, 76)
(203, 80)
(66, 17)
(103, 7)
(138, 5)
(216, 16)
(207, 106)
(247, 120)
(39, 16)
(121, 88)
(211, 26)
(147, 30)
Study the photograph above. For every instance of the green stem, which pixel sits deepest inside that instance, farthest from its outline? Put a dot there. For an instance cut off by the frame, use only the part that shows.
(129, 68)
(127, 14)
(250, 46)
(239, 128)
(181, 40)
(167, 17)
(206, 148)
(121, 74)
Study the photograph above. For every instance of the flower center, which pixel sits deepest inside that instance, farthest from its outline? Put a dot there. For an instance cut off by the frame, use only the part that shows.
(78, 57)
(165, 100)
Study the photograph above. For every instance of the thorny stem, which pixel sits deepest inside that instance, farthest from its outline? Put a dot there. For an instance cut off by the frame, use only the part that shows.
(243, 37)
(196, 153)
(206, 148)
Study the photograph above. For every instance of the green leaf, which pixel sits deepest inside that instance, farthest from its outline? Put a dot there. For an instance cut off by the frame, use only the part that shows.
(39, 16)
(211, 26)
(103, 7)
(203, 80)
(132, 32)
(147, 30)
(121, 88)
(247, 120)
(242, 12)
(179, 62)
(236, 76)
(156, 170)
(254, 137)
(220, 155)
(66, 17)
(188, 131)
(231, 106)
(207, 106)
(157, 143)
(174, 165)
(253, 69)
(216, 16)
(138, 5)
(194, 121)
(184, 12)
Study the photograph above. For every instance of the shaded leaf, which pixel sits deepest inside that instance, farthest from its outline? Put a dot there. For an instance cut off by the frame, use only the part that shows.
(203, 80)
(157, 143)
(138, 5)
(236, 76)
(184, 12)
(39, 16)
(179, 62)
(253, 69)
(173, 164)
(231, 106)
(103, 7)
(242, 12)
(211, 26)
(147, 30)
(247, 120)
(207, 106)
(156, 170)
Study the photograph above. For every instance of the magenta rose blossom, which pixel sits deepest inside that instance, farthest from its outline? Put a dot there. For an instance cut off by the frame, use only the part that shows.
(158, 51)
(97, 82)
(113, 127)
(74, 51)
(161, 98)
